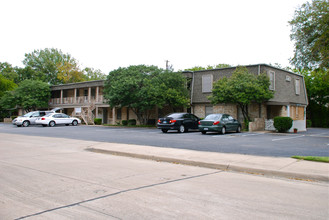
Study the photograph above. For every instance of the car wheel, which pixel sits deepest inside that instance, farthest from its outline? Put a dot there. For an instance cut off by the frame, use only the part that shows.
(181, 129)
(164, 130)
(238, 130)
(223, 131)
(203, 132)
(52, 124)
(75, 123)
(26, 123)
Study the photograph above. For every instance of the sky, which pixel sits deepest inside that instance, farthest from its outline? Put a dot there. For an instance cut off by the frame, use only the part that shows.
(106, 34)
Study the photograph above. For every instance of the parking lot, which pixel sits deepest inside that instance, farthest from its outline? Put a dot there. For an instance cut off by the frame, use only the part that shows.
(314, 142)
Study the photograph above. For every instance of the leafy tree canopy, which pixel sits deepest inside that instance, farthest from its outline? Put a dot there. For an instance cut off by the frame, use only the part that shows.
(8, 72)
(242, 88)
(30, 95)
(310, 31)
(47, 62)
(92, 74)
(6, 85)
(70, 73)
(141, 88)
(209, 67)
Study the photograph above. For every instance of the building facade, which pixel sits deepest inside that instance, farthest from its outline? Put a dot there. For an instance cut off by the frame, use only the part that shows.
(86, 99)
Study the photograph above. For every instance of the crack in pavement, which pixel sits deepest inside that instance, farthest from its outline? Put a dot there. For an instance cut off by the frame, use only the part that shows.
(117, 193)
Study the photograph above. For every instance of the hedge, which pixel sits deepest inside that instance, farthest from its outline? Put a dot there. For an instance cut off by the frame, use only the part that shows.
(282, 124)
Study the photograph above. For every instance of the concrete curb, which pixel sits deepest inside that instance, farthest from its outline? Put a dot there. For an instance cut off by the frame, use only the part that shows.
(218, 166)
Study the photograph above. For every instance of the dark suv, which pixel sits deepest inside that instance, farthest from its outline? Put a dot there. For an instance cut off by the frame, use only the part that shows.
(181, 122)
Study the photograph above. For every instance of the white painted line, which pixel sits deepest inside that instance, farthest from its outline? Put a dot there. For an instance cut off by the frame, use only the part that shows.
(319, 134)
(245, 135)
(281, 139)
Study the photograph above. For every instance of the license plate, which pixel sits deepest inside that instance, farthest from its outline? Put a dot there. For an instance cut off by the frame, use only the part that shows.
(206, 129)
(165, 122)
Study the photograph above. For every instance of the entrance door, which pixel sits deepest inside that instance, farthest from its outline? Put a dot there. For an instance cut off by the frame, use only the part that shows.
(104, 115)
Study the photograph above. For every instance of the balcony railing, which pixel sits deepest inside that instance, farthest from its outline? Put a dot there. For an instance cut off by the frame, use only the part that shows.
(78, 100)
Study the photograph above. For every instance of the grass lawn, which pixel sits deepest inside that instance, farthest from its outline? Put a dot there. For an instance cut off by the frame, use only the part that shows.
(313, 158)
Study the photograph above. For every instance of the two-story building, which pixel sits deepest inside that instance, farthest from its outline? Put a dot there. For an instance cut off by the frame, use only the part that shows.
(290, 99)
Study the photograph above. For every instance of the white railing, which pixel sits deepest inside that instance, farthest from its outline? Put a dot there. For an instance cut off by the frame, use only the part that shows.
(78, 100)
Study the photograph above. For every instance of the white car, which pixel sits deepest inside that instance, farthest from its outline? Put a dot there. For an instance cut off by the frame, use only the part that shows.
(53, 119)
(31, 117)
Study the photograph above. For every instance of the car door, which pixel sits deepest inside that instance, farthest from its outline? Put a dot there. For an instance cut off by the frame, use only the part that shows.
(231, 123)
(34, 117)
(187, 121)
(224, 120)
(195, 121)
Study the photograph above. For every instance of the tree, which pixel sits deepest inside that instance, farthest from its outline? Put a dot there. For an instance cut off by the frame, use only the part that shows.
(8, 72)
(6, 85)
(209, 67)
(310, 31)
(242, 88)
(47, 62)
(92, 74)
(317, 85)
(141, 88)
(171, 89)
(30, 95)
(70, 73)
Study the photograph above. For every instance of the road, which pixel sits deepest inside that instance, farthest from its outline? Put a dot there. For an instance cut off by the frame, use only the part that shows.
(315, 142)
(55, 178)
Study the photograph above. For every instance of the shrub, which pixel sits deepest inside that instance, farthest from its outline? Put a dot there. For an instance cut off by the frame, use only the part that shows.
(124, 122)
(282, 124)
(132, 122)
(98, 121)
(308, 123)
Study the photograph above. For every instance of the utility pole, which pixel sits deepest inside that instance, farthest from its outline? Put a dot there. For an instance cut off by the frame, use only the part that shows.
(169, 67)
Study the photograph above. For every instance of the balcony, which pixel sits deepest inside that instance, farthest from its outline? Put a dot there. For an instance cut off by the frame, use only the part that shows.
(77, 100)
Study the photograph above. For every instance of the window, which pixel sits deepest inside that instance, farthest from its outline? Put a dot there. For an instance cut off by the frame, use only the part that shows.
(207, 83)
(297, 86)
(271, 75)
(209, 110)
(119, 113)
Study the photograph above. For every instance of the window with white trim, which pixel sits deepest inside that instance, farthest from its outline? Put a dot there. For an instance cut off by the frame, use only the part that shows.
(297, 86)
(207, 83)
(271, 75)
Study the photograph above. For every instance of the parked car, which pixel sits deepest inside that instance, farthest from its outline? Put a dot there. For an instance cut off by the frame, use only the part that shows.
(181, 122)
(53, 119)
(31, 117)
(219, 123)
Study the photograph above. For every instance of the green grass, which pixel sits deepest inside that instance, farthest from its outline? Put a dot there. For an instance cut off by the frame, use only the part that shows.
(312, 158)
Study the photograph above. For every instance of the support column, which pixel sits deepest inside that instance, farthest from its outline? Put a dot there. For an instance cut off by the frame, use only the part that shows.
(61, 100)
(89, 94)
(288, 110)
(75, 96)
(97, 92)
(113, 116)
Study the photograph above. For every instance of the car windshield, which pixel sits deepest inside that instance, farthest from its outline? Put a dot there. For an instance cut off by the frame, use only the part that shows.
(28, 114)
(213, 117)
(175, 115)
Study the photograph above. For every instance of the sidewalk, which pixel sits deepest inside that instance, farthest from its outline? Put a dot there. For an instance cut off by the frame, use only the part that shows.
(266, 166)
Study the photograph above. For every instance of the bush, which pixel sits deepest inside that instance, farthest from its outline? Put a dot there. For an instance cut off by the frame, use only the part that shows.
(124, 122)
(282, 124)
(132, 122)
(98, 121)
(308, 123)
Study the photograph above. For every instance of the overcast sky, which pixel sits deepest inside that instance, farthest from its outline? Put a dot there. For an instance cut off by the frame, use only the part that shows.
(106, 34)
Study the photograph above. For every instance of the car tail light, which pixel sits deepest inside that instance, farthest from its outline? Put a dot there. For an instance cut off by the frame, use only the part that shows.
(199, 122)
(159, 120)
(43, 119)
(172, 121)
(216, 123)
